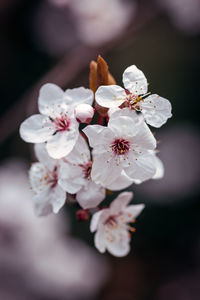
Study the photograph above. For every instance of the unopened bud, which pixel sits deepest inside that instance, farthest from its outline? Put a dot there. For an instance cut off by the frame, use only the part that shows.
(82, 215)
(84, 113)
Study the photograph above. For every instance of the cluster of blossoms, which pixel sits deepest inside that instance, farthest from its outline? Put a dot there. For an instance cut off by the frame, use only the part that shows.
(123, 152)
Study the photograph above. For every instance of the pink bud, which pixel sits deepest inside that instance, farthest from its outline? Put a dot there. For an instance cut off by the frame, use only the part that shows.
(84, 113)
(82, 215)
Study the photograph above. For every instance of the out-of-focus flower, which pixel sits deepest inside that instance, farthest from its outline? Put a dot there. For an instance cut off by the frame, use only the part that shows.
(184, 14)
(76, 176)
(155, 109)
(123, 145)
(179, 151)
(56, 123)
(111, 225)
(48, 195)
(84, 113)
(92, 22)
(38, 260)
(100, 21)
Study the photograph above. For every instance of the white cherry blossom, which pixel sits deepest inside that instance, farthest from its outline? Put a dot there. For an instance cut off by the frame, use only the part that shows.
(155, 109)
(122, 146)
(56, 124)
(76, 176)
(48, 195)
(111, 225)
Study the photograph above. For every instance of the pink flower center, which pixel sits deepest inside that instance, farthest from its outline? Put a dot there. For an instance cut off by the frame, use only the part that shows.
(62, 123)
(52, 178)
(87, 169)
(132, 101)
(120, 146)
(111, 221)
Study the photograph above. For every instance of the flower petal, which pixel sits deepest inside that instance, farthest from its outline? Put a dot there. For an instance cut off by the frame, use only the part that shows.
(37, 175)
(120, 183)
(98, 135)
(144, 138)
(156, 110)
(42, 155)
(120, 202)
(118, 243)
(99, 239)
(160, 170)
(80, 153)
(105, 170)
(69, 176)
(49, 94)
(49, 201)
(95, 220)
(36, 129)
(79, 95)
(135, 81)
(90, 195)
(62, 143)
(141, 167)
(110, 96)
(131, 212)
(123, 126)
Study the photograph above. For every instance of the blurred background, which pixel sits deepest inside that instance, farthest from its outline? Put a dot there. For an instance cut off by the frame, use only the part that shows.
(54, 258)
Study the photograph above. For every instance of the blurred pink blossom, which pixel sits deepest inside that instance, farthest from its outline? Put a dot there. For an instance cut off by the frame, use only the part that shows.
(184, 14)
(37, 256)
(59, 25)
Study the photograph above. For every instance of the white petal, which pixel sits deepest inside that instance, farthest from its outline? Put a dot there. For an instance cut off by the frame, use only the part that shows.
(144, 138)
(156, 110)
(96, 219)
(120, 183)
(80, 95)
(50, 201)
(160, 170)
(90, 195)
(126, 112)
(62, 143)
(38, 177)
(135, 81)
(120, 202)
(49, 94)
(36, 129)
(123, 126)
(141, 167)
(110, 96)
(131, 212)
(43, 156)
(98, 135)
(118, 244)
(105, 170)
(99, 239)
(70, 178)
(80, 153)
(58, 199)
(112, 110)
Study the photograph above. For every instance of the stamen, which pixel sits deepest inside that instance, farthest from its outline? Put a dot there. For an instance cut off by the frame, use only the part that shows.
(62, 123)
(120, 146)
(87, 168)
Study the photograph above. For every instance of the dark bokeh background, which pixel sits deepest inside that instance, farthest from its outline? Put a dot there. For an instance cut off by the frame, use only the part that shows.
(165, 259)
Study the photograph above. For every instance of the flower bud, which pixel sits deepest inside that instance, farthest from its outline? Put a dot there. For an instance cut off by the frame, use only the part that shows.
(84, 113)
(82, 215)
